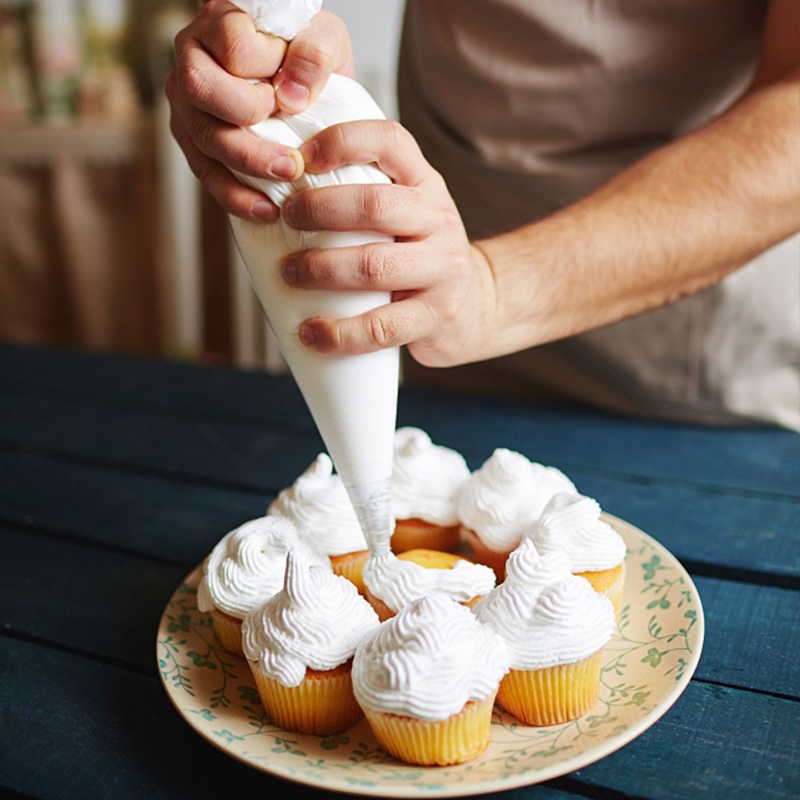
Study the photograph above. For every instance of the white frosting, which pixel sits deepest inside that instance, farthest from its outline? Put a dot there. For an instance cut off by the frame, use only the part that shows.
(428, 661)
(399, 582)
(505, 496)
(316, 621)
(546, 615)
(527, 573)
(284, 18)
(320, 507)
(427, 478)
(353, 399)
(571, 522)
(247, 565)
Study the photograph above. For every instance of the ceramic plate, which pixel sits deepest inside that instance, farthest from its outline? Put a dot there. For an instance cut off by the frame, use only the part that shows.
(646, 666)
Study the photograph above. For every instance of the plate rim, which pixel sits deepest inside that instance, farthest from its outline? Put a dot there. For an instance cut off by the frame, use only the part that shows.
(525, 778)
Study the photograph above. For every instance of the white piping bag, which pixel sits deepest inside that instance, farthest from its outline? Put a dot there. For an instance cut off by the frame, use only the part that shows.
(353, 399)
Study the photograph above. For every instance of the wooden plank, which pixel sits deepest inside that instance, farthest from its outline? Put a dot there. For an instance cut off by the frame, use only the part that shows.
(177, 519)
(756, 460)
(77, 728)
(84, 598)
(167, 519)
(752, 635)
(108, 379)
(715, 742)
(224, 452)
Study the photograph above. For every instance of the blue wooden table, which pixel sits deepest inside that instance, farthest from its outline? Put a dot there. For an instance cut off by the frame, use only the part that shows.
(118, 475)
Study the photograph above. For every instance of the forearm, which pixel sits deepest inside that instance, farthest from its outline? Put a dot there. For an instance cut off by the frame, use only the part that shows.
(670, 225)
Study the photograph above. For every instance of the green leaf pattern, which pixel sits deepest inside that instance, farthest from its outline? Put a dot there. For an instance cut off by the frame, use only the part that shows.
(223, 704)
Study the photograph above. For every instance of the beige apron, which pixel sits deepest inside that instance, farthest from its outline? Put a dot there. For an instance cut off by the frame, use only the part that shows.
(525, 107)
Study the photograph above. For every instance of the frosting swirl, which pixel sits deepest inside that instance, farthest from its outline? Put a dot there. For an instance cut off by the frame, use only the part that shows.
(426, 479)
(315, 621)
(506, 495)
(398, 582)
(320, 507)
(572, 523)
(428, 661)
(544, 626)
(247, 565)
(527, 573)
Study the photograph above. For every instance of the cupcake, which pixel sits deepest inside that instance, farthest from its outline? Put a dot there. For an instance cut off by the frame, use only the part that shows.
(572, 523)
(320, 507)
(555, 627)
(300, 646)
(426, 481)
(392, 582)
(500, 502)
(245, 568)
(426, 680)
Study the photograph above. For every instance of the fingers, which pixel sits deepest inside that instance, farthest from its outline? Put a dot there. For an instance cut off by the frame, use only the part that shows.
(394, 325)
(322, 48)
(385, 143)
(215, 58)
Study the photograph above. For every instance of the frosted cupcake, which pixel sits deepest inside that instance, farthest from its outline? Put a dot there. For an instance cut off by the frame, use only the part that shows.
(300, 646)
(427, 679)
(245, 568)
(320, 507)
(500, 502)
(392, 582)
(555, 627)
(426, 481)
(572, 523)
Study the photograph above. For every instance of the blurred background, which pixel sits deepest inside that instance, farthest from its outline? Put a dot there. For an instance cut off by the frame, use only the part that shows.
(107, 241)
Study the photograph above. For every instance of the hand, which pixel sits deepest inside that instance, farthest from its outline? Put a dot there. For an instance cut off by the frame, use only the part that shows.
(227, 76)
(443, 294)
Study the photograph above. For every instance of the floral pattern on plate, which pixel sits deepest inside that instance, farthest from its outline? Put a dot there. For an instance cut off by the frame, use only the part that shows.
(646, 666)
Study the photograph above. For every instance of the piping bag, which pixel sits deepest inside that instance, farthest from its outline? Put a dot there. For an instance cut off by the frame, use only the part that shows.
(352, 399)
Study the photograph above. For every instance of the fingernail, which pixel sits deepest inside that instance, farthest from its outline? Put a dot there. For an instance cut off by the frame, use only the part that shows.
(307, 334)
(289, 212)
(309, 151)
(293, 96)
(290, 270)
(285, 167)
(264, 211)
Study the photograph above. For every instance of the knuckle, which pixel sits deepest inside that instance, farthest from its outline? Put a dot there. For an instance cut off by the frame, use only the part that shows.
(375, 204)
(372, 265)
(311, 56)
(233, 55)
(381, 331)
(192, 80)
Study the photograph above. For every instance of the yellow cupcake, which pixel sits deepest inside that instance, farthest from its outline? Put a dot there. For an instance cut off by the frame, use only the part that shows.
(321, 703)
(459, 738)
(552, 695)
(573, 523)
(320, 507)
(426, 680)
(555, 626)
(300, 645)
(430, 560)
(244, 569)
(502, 500)
(416, 533)
(228, 631)
(351, 566)
(427, 479)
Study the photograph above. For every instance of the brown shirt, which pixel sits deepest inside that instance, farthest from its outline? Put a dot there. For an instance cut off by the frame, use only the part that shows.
(526, 106)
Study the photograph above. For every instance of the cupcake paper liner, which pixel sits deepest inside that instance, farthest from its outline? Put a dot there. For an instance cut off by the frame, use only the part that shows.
(323, 703)
(459, 738)
(552, 695)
